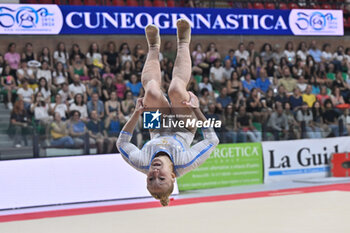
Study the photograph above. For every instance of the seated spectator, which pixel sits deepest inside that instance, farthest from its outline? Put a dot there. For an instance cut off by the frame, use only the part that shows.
(205, 99)
(330, 117)
(281, 95)
(278, 124)
(336, 97)
(26, 94)
(315, 52)
(96, 105)
(111, 57)
(330, 72)
(231, 57)
(61, 55)
(243, 69)
(125, 54)
(229, 123)
(59, 133)
(139, 53)
(248, 84)
(97, 131)
(270, 69)
(308, 97)
(254, 105)
(78, 68)
(113, 105)
(113, 126)
(296, 100)
(341, 84)
(304, 114)
(59, 107)
(8, 86)
(28, 54)
(45, 72)
(294, 127)
(75, 50)
(94, 85)
(128, 102)
(45, 55)
(262, 82)
(288, 81)
(347, 120)
(44, 89)
(107, 72)
(302, 85)
(302, 51)
(41, 109)
(198, 59)
(326, 55)
(212, 53)
(234, 86)
(78, 105)
(26, 73)
(217, 75)
(64, 93)
(134, 86)
(268, 102)
(223, 100)
(277, 53)
(77, 129)
(59, 75)
(12, 58)
(107, 88)
(242, 53)
(315, 86)
(205, 84)
(245, 126)
(120, 86)
(317, 114)
(289, 53)
(323, 96)
(227, 70)
(19, 124)
(77, 88)
(94, 57)
(266, 53)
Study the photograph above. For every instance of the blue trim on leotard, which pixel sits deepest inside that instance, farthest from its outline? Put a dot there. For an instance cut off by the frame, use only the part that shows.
(125, 132)
(199, 155)
(127, 156)
(183, 148)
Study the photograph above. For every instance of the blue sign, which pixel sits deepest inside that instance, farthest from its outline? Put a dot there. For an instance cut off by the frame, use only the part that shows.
(151, 120)
(133, 20)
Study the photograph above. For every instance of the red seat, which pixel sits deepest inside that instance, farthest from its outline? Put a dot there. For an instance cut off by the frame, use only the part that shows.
(258, 5)
(118, 3)
(270, 6)
(283, 6)
(315, 6)
(326, 6)
(249, 5)
(158, 3)
(170, 3)
(132, 3)
(75, 2)
(90, 2)
(293, 6)
(45, 1)
(60, 2)
(147, 3)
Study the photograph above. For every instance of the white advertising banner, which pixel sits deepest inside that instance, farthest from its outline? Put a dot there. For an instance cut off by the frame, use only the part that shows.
(50, 181)
(307, 158)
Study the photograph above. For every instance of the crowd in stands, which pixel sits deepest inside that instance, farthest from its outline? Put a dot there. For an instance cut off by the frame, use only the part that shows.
(274, 92)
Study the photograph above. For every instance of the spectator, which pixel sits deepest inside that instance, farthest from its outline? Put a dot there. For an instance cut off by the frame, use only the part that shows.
(78, 68)
(223, 100)
(330, 117)
(77, 88)
(113, 105)
(107, 72)
(336, 97)
(12, 58)
(78, 105)
(234, 86)
(134, 86)
(229, 124)
(243, 69)
(111, 57)
(302, 85)
(315, 52)
(120, 86)
(168, 51)
(302, 51)
(97, 105)
(254, 105)
(19, 124)
(198, 59)
(242, 53)
(287, 81)
(59, 133)
(289, 53)
(59, 107)
(212, 54)
(308, 97)
(45, 55)
(270, 69)
(97, 131)
(59, 75)
(227, 70)
(94, 85)
(26, 94)
(139, 53)
(76, 51)
(28, 54)
(205, 100)
(326, 55)
(26, 73)
(248, 84)
(44, 89)
(127, 70)
(268, 102)
(64, 93)
(294, 127)
(317, 114)
(125, 54)
(341, 84)
(347, 120)
(94, 57)
(323, 96)
(245, 126)
(253, 54)
(304, 114)
(278, 124)
(217, 75)
(296, 100)
(277, 54)
(108, 88)
(262, 82)
(8, 86)
(113, 125)
(61, 55)
(45, 72)
(41, 109)
(231, 57)
(266, 53)
(281, 96)
(77, 129)
(206, 84)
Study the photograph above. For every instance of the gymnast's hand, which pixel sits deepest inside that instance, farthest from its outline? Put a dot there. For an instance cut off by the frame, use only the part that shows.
(139, 108)
(193, 102)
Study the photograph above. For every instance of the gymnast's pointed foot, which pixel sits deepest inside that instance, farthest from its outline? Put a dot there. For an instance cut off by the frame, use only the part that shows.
(152, 35)
(183, 31)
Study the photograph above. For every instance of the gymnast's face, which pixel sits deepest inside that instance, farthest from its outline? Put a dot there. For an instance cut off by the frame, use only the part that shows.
(160, 175)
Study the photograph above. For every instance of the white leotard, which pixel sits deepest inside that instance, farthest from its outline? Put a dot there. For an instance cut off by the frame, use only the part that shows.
(175, 144)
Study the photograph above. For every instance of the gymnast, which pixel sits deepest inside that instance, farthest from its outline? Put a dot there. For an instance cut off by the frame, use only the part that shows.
(168, 154)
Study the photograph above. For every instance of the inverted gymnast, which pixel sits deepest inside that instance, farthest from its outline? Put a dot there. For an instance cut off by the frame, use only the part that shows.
(168, 154)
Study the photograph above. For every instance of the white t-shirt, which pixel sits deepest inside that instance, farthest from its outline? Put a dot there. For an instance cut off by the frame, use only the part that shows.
(77, 89)
(326, 56)
(81, 109)
(46, 93)
(28, 72)
(338, 57)
(239, 55)
(60, 77)
(64, 95)
(44, 73)
(290, 55)
(61, 109)
(41, 113)
(26, 94)
(227, 73)
(302, 54)
(208, 86)
(95, 56)
(217, 74)
(63, 58)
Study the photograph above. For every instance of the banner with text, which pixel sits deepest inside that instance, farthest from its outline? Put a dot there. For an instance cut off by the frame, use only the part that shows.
(53, 19)
(308, 158)
(228, 165)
